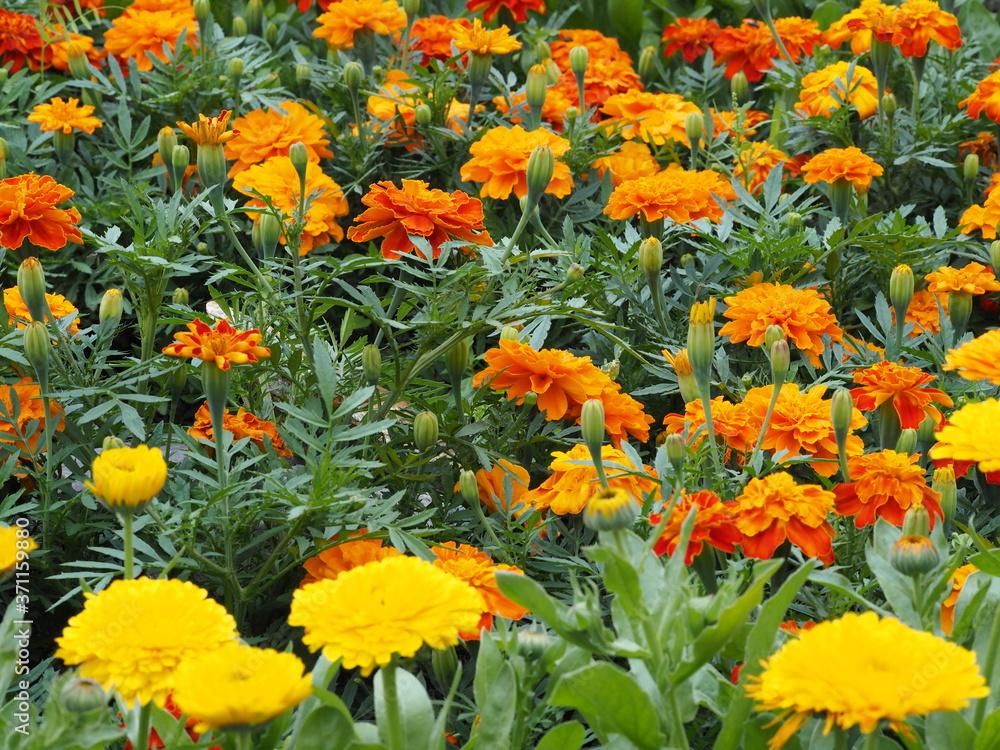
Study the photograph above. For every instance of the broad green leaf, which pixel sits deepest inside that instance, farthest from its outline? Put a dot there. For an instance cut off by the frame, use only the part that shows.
(415, 710)
(531, 595)
(987, 562)
(326, 727)
(989, 733)
(497, 707)
(570, 735)
(948, 729)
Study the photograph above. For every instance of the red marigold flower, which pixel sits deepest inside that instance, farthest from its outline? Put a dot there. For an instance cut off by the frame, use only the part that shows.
(692, 37)
(500, 161)
(885, 485)
(752, 49)
(518, 8)
(28, 211)
(774, 508)
(339, 23)
(242, 424)
(260, 134)
(679, 194)
(887, 382)
(713, 524)
(415, 209)
(972, 278)
(142, 31)
(349, 554)
(223, 344)
(850, 164)
(19, 39)
(860, 90)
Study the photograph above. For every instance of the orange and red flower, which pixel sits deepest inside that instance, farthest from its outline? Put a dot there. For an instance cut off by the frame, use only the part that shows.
(751, 48)
(432, 36)
(518, 8)
(491, 485)
(887, 382)
(242, 424)
(609, 69)
(223, 345)
(885, 485)
(30, 410)
(986, 98)
(692, 37)
(714, 524)
(349, 554)
(28, 211)
(20, 39)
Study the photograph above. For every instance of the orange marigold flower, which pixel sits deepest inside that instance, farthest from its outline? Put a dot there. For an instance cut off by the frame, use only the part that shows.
(925, 312)
(803, 314)
(19, 39)
(60, 307)
(734, 423)
(885, 485)
(957, 581)
(65, 116)
(260, 134)
(972, 278)
(415, 209)
(491, 485)
(432, 36)
(623, 416)
(774, 508)
(500, 161)
(242, 424)
(713, 523)
(984, 145)
(28, 211)
(986, 98)
(518, 8)
(653, 118)
(478, 569)
(689, 36)
(142, 32)
(985, 217)
(801, 425)
(755, 163)
(631, 161)
(887, 382)
(31, 408)
(557, 101)
(752, 49)
(209, 131)
(850, 164)
(724, 121)
(347, 555)
(483, 41)
(344, 18)
(277, 179)
(922, 21)
(978, 359)
(859, 89)
(223, 345)
(574, 480)
(609, 69)
(679, 194)
(56, 46)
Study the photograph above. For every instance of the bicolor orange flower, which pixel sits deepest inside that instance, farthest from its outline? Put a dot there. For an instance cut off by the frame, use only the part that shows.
(713, 524)
(349, 554)
(415, 209)
(985, 217)
(478, 569)
(885, 485)
(432, 36)
(482, 41)
(752, 49)
(734, 423)
(491, 485)
(755, 163)
(972, 278)
(18, 315)
(650, 117)
(923, 21)
(262, 133)
(500, 161)
(986, 98)
(978, 359)
(56, 47)
(342, 19)
(20, 39)
(277, 179)
(30, 409)
(518, 8)
(678, 194)
(64, 116)
(28, 212)
(910, 26)
(242, 424)
(803, 314)
(631, 161)
(957, 582)
(209, 131)
(692, 37)
(850, 164)
(984, 145)
(774, 508)
(887, 382)
(223, 345)
(141, 33)
(859, 89)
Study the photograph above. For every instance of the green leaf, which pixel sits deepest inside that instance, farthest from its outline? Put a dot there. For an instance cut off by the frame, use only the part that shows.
(326, 727)
(948, 729)
(828, 12)
(495, 688)
(532, 596)
(326, 376)
(989, 733)
(975, 21)
(570, 736)
(415, 710)
(987, 562)
(612, 703)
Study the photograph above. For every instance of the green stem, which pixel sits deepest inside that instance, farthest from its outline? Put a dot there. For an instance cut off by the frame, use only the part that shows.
(989, 667)
(127, 534)
(243, 740)
(679, 738)
(871, 741)
(394, 739)
(141, 741)
(775, 392)
(518, 230)
(705, 392)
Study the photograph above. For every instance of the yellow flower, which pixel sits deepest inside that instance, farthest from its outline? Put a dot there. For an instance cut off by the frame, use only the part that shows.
(236, 687)
(128, 478)
(64, 116)
(389, 607)
(209, 131)
(13, 539)
(132, 636)
(862, 670)
(482, 41)
(971, 435)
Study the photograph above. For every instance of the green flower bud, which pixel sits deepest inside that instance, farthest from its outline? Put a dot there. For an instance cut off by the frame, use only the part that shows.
(574, 272)
(178, 379)
(542, 50)
(270, 232)
(685, 260)
(651, 260)
(111, 442)
(202, 248)
(773, 334)
(914, 555)
(592, 426)
(701, 338)
(303, 73)
(215, 381)
(970, 169)
(694, 126)
(780, 359)
(906, 442)
(240, 27)
(901, 290)
(62, 144)
(180, 296)
(541, 166)
(532, 644)
(537, 86)
(959, 310)
(456, 360)
(411, 8)
(916, 521)
(271, 33)
(739, 87)
(299, 155)
(480, 65)
(530, 399)
(202, 10)
(353, 75)
(995, 254)
(509, 333)
(31, 285)
(212, 165)
(841, 414)
(423, 114)
(469, 487)
(236, 67)
(112, 305)
(925, 433)
(647, 63)
(793, 220)
(76, 57)
(255, 16)
(166, 140)
(425, 430)
(36, 348)
(180, 158)
(610, 510)
(889, 105)
(579, 57)
(944, 484)
(81, 695)
(676, 451)
(371, 364)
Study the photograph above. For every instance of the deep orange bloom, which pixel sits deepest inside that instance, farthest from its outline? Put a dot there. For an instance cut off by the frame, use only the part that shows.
(19, 39)
(679, 194)
(223, 345)
(985, 217)
(751, 48)
(242, 424)
(978, 359)
(690, 36)
(57, 42)
(277, 179)
(850, 164)
(491, 484)
(483, 41)
(209, 131)
(17, 311)
(57, 114)
(651, 117)
(734, 423)
(885, 485)
(478, 569)
(141, 32)
(903, 388)
(30, 408)
(261, 134)
(957, 581)
(347, 555)
(500, 161)
(632, 160)
(609, 69)
(986, 98)
(774, 508)
(557, 100)
(972, 278)
(925, 312)
(816, 99)
(518, 8)
(415, 209)
(910, 26)
(713, 524)
(344, 18)
(756, 162)
(803, 314)
(28, 211)
(984, 145)
(623, 416)
(432, 36)
(859, 25)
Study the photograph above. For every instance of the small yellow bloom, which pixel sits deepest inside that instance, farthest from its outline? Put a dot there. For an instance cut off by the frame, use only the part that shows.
(209, 130)
(13, 539)
(703, 313)
(128, 478)
(59, 115)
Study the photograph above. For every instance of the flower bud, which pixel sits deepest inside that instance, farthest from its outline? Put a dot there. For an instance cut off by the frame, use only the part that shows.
(780, 359)
(970, 169)
(995, 254)
(480, 65)
(925, 433)
(889, 105)
(676, 452)
(166, 139)
(180, 296)
(236, 67)
(536, 87)
(701, 338)
(456, 360)
(353, 75)
(944, 484)
(177, 382)
(532, 643)
(469, 487)
(772, 334)
(110, 311)
(552, 70)
(271, 33)
(270, 233)
(530, 399)
(541, 166)
(81, 695)
(793, 219)
(901, 290)
(651, 260)
(180, 158)
(578, 58)
(215, 381)
(111, 442)
(592, 426)
(841, 414)
(542, 50)
(647, 63)
(423, 114)
(610, 510)
(685, 375)
(299, 155)
(31, 285)
(202, 10)
(739, 87)
(411, 8)
(509, 333)
(959, 310)
(36, 348)
(212, 165)
(255, 16)
(202, 248)
(694, 126)
(371, 364)
(906, 442)
(76, 58)
(575, 272)
(240, 27)
(916, 521)
(914, 555)
(425, 430)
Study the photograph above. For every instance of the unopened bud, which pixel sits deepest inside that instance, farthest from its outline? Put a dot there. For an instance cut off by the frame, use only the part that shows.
(995, 255)
(236, 67)
(299, 155)
(916, 521)
(201, 248)
(166, 139)
(970, 169)
(31, 285)
(793, 219)
(353, 75)
(889, 105)
(530, 399)
(959, 310)
(37, 344)
(469, 487)
(180, 296)
(901, 290)
(532, 644)
(202, 10)
(610, 510)
(509, 333)
(906, 442)
(541, 167)
(701, 338)
(212, 166)
(841, 414)
(111, 442)
(914, 554)
(76, 57)
(423, 115)
(579, 57)
(82, 695)
(240, 27)
(271, 33)
(479, 67)
(772, 334)
(925, 432)
(457, 359)
(542, 50)
(592, 426)
(694, 126)
(180, 158)
(574, 272)
(739, 87)
(780, 359)
(651, 260)
(303, 73)
(110, 311)
(269, 232)
(536, 87)
(676, 451)
(425, 430)
(647, 63)
(371, 364)
(944, 484)
(255, 16)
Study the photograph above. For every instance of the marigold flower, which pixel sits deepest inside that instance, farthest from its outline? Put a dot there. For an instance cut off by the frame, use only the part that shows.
(64, 116)
(752, 49)
(500, 161)
(986, 98)
(923, 21)
(483, 41)
(57, 42)
(277, 179)
(557, 100)
(903, 388)
(650, 117)
(141, 33)
(347, 555)
(223, 345)
(393, 606)
(850, 164)
(432, 36)
(803, 314)
(415, 209)
(518, 8)
(682, 195)
(260, 134)
(18, 315)
(127, 478)
(9, 538)
(852, 670)
(734, 423)
(985, 217)
(713, 524)
(859, 25)
(209, 131)
(574, 480)
(816, 99)
(237, 687)
(971, 435)
(984, 145)
(724, 121)
(623, 416)
(19, 39)
(756, 162)
(242, 424)
(631, 161)
(31, 408)
(884, 485)
(925, 312)
(168, 622)
(972, 278)
(978, 359)
(692, 37)
(491, 485)
(609, 69)
(957, 580)
(28, 211)
(342, 19)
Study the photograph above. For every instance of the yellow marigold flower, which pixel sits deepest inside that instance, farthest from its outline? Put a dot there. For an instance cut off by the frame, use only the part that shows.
(13, 539)
(343, 19)
(209, 131)
(885, 485)
(385, 608)
(500, 161)
(132, 636)
(816, 98)
(236, 688)
(223, 344)
(483, 41)
(682, 195)
(972, 278)
(650, 117)
(978, 359)
(986, 98)
(850, 164)
(903, 387)
(64, 116)
(261, 134)
(957, 580)
(142, 32)
(632, 160)
(971, 435)
(17, 311)
(861, 670)
(128, 478)
(347, 555)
